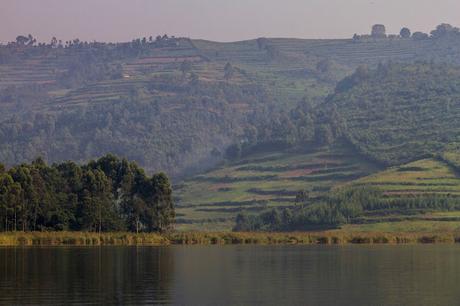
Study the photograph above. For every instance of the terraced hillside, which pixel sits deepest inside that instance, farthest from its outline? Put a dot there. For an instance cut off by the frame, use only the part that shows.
(353, 53)
(168, 124)
(55, 85)
(420, 178)
(162, 104)
(419, 196)
(262, 181)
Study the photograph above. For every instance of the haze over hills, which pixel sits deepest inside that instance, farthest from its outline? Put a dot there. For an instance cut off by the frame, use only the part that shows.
(262, 130)
(78, 100)
(276, 115)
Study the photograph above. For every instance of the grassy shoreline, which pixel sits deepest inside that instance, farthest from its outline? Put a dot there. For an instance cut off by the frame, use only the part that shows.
(336, 237)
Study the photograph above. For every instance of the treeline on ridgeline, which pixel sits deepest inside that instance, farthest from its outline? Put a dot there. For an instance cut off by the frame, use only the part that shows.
(346, 206)
(81, 62)
(109, 194)
(25, 46)
(379, 32)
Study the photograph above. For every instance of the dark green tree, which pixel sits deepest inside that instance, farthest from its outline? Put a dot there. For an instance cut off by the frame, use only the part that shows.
(405, 33)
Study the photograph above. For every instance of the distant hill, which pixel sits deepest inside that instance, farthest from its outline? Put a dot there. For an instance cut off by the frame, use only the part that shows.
(176, 104)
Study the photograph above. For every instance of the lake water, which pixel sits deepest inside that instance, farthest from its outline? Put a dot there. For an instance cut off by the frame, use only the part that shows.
(232, 275)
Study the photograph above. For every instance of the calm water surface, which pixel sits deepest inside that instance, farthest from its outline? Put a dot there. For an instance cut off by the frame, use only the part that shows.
(232, 275)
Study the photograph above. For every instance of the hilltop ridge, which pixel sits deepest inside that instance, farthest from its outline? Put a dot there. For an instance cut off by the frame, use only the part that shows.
(175, 104)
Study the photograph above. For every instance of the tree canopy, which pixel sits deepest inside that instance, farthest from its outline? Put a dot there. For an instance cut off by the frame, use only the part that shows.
(109, 194)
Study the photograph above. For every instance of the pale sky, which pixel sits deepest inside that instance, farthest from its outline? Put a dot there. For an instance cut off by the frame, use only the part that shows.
(220, 20)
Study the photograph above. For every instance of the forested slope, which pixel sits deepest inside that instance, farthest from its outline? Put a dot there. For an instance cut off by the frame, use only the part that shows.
(400, 113)
(168, 124)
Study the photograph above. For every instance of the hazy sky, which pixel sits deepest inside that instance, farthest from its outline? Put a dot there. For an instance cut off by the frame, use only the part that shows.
(222, 20)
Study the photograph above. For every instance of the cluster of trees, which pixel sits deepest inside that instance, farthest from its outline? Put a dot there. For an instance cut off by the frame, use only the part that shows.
(303, 126)
(346, 206)
(379, 32)
(109, 194)
(340, 208)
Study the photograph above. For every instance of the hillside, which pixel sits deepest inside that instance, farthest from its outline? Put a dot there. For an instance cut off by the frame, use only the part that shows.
(391, 115)
(400, 113)
(164, 103)
(168, 124)
(172, 104)
(263, 181)
(421, 178)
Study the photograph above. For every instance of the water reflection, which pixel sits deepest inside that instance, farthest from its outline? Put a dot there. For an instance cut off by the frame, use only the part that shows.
(112, 275)
(232, 275)
(316, 275)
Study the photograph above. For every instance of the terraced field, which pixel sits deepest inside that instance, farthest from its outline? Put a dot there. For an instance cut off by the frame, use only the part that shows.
(212, 200)
(290, 68)
(424, 177)
(287, 66)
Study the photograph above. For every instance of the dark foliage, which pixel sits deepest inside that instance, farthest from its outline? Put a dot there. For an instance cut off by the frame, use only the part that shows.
(345, 206)
(181, 128)
(108, 194)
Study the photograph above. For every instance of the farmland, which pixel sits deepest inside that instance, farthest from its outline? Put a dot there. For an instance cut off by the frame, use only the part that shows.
(264, 181)
(424, 177)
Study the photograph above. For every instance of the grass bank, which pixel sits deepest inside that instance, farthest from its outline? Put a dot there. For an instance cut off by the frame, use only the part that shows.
(330, 237)
(79, 238)
(336, 237)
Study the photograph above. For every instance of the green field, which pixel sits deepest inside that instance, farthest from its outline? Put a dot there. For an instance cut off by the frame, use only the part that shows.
(211, 201)
(406, 227)
(428, 176)
(263, 181)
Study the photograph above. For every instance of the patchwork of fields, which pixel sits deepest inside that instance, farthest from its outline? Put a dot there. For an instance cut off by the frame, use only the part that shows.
(290, 69)
(212, 200)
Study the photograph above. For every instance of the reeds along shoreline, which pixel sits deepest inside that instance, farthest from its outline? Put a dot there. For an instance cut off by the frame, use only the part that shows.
(220, 238)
